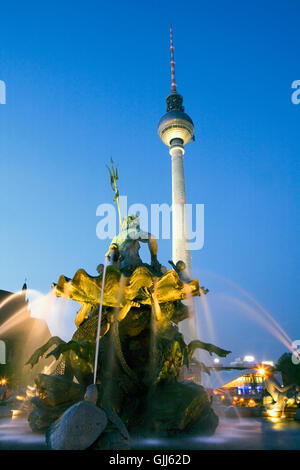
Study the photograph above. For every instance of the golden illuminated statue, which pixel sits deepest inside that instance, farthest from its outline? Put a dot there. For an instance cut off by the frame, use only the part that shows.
(141, 349)
(124, 248)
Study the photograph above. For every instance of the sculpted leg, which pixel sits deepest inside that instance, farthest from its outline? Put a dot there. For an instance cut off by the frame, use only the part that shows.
(152, 244)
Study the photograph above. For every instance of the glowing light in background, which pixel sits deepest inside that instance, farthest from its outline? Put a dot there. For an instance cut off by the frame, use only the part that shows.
(268, 363)
(249, 359)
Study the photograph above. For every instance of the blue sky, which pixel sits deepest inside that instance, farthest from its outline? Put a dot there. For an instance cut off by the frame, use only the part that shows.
(88, 81)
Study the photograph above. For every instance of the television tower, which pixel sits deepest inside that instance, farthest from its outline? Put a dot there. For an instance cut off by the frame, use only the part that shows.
(176, 129)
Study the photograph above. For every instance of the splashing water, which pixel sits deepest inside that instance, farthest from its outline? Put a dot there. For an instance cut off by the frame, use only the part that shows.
(99, 321)
(110, 353)
(10, 298)
(39, 305)
(18, 317)
(155, 312)
(268, 315)
(58, 312)
(271, 328)
(207, 316)
(257, 313)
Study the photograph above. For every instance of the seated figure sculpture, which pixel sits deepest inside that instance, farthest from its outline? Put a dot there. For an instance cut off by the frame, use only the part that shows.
(124, 248)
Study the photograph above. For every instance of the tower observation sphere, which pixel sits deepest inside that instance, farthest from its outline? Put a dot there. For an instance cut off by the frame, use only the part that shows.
(175, 128)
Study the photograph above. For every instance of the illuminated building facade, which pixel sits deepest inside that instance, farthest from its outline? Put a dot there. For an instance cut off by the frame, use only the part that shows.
(245, 388)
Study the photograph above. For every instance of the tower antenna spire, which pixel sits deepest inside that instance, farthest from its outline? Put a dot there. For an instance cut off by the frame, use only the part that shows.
(173, 83)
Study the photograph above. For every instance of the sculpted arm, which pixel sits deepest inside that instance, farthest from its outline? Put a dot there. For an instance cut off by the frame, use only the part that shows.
(146, 237)
(278, 387)
(112, 247)
(285, 389)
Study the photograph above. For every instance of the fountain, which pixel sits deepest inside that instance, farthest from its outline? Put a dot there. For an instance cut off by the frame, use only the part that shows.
(130, 314)
(120, 381)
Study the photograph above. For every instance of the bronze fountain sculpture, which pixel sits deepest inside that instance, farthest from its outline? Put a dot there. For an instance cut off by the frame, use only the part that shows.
(141, 351)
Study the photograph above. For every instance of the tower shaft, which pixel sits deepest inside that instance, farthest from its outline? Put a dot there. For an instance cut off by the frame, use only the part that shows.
(180, 233)
(180, 243)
